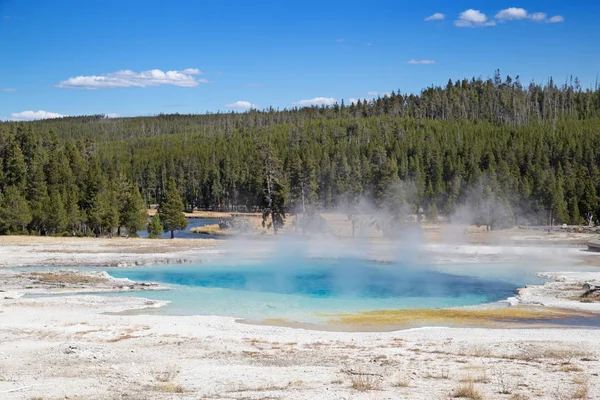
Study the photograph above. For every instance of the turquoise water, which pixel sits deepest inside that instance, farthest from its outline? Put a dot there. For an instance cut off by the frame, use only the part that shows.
(303, 289)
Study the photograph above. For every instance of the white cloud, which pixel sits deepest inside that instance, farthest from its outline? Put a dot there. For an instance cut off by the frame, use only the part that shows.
(33, 115)
(352, 100)
(436, 17)
(112, 115)
(340, 40)
(556, 19)
(512, 13)
(372, 93)
(473, 18)
(8, 90)
(127, 78)
(421, 62)
(317, 101)
(538, 17)
(241, 105)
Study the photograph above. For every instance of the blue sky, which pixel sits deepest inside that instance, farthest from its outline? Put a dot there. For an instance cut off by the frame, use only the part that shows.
(67, 57)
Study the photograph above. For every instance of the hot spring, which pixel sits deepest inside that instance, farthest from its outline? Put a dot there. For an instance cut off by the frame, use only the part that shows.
(307, 289)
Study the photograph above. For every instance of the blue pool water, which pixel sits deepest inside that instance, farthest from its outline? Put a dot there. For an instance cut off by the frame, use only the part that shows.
(186, 234)
(304, 289)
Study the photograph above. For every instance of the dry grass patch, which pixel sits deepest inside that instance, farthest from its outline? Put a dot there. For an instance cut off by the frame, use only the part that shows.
(266, 388)
(468, 390)
(212, 229)
(364, 381)
(570, 368)
(57, 277)
(168, 388)
(533, 353)
(402, 382)
(582, 391)
(536, 353)
(125, 336)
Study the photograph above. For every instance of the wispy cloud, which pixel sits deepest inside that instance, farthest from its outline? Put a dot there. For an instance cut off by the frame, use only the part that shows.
(112, 115)
(539, 17)
(33, 115)
(241, 105)
(556, 19)
(377, 94)
(436, 17)
(473, 19)
(8, 90)
(317, 101)
(514, 14)
(421, 62)
(368, 44)
(128, 78)
(340, 40)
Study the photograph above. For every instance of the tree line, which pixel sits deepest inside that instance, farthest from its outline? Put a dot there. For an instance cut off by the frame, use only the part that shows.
(492, 152)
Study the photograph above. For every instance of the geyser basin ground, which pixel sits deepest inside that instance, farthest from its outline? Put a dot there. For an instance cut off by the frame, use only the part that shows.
(312, 290)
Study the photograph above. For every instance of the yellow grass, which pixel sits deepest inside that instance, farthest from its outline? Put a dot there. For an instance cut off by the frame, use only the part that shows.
(212, 229)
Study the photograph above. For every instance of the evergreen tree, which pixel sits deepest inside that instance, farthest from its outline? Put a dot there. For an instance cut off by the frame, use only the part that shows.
(14, 166)
(37, 192)
(14, 211)
(55, 216)
(132, 213)
(155, 227)
(103, 215)
(171, 210)
(72, 210)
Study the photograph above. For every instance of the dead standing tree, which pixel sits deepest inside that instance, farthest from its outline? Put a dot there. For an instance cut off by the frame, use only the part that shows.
(274, 191)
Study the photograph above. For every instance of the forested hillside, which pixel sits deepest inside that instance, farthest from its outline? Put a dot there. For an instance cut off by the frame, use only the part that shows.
(502, 151)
